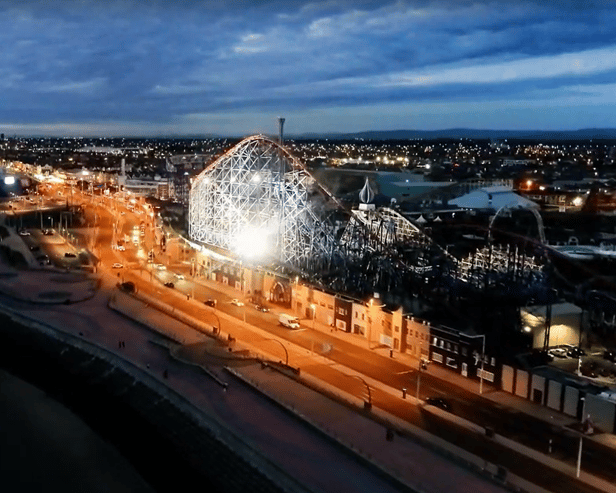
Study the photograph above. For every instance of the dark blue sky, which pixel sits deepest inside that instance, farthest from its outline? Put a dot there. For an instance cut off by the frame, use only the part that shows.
(71, 67)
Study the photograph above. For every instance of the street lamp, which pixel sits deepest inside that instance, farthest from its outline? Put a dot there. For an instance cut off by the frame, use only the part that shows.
(587, 428)
(213, 312)
(419, 370)
(367, 405)
(483, 357)
(286, 353)
(313, 308)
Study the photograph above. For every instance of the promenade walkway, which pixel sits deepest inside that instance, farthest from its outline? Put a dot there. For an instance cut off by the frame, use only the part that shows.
(334, 428)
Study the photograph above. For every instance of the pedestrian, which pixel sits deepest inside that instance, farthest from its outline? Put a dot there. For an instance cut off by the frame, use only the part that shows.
(147, 366)
(165, 374)
(119, 344)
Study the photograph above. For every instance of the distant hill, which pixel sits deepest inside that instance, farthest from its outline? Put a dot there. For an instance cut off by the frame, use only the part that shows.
(469, 133)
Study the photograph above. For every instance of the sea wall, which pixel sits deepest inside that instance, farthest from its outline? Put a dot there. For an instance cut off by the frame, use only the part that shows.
(169, 441)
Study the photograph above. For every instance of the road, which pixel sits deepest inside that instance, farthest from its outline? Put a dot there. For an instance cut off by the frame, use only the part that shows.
(390, 372)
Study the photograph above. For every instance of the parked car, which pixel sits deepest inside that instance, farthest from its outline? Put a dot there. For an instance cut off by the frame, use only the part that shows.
(559, 352)
(439, 402)
(262, 308)
(70, 255)
(210, 302)
(169, 285)
(575, 352)
(117, 265)
(610, 354)
(128, 286)
(236, 302)
(23, 232)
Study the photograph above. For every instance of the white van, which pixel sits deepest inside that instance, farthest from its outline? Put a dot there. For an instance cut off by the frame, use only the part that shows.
(288, 321)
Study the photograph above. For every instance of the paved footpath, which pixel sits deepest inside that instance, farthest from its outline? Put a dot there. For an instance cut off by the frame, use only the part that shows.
(399, 455)
(306, 454)
(404, 457)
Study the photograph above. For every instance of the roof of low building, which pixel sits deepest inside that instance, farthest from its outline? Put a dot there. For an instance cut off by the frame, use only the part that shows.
(493, 198)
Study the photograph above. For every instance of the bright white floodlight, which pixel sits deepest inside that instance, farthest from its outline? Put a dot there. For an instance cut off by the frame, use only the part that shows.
(252, 243)
(9, 180)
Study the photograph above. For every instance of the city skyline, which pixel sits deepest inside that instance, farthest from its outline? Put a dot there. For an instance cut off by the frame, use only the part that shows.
(199, 68)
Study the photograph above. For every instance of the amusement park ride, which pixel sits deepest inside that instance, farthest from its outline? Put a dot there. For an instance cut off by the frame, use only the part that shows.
(258, 203)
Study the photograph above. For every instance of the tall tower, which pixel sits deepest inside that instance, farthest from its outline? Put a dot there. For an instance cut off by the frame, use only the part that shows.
(122, 177)
(280, 129)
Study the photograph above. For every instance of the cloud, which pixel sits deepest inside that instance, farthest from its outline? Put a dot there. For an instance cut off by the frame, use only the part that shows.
(583, 63)
(124, 59)
(78, 87)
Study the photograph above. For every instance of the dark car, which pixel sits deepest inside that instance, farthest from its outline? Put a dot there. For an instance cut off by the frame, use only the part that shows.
(576, 352)
(610, 354)
(70, 255)
(262, 308)
(210, 302)
(439, 402)
(128, 287)
(169, 285)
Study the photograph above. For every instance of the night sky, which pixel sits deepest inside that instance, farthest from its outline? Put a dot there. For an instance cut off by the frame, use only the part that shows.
(184, 67)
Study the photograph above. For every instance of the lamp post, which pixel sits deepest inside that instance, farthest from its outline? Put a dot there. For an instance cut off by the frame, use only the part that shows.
(286, 353)
(314, 313)
(585, 423)
(483, 357)
(370, 322)
(368, 404)
(213, 312)
(419, 371)
(242, 288)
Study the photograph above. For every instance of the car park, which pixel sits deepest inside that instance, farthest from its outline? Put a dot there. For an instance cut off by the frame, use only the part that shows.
(439, 402)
